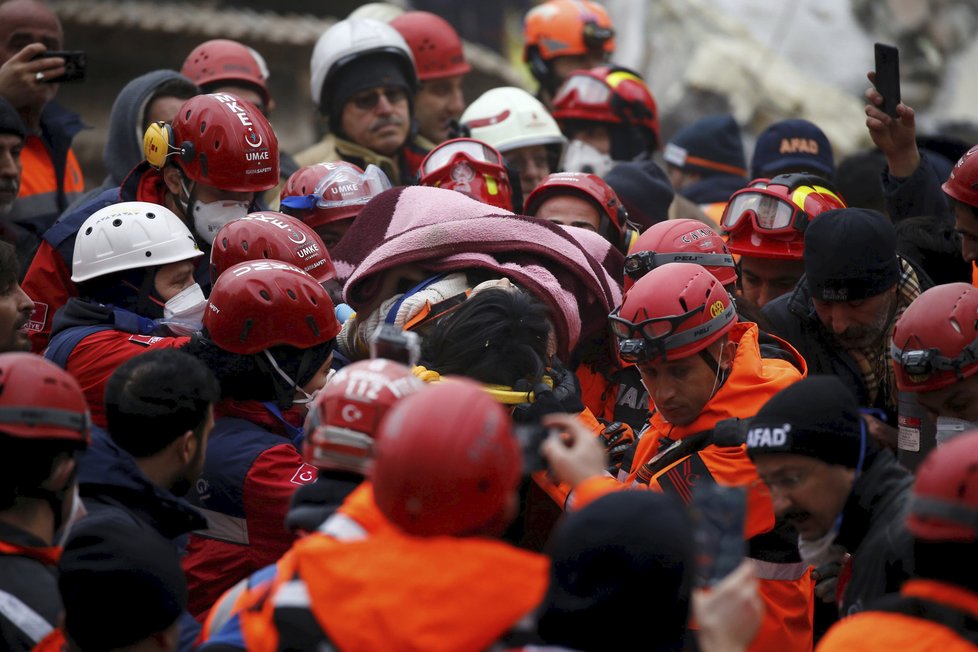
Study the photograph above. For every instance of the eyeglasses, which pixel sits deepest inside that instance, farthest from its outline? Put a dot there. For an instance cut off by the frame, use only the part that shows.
(768, 211)
(789, 480)
(926, 362)
(474, 150)
(641, 263)
(368, 100)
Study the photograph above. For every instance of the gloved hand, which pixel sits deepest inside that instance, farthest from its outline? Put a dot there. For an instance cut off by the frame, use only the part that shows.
(826, 579)
(564, 397)
(617, 437)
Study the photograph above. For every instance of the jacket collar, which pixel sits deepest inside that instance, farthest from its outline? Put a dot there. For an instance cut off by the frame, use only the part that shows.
(881, 483)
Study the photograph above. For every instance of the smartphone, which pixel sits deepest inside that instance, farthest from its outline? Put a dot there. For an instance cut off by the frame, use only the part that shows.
(718, 517)
(888, 77)
(391, 343)
(75, 65)
(530, 436)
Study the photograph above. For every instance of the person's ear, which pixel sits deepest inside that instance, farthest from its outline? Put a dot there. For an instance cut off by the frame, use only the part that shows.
(171, 178)
(727, 350)
(187, 444)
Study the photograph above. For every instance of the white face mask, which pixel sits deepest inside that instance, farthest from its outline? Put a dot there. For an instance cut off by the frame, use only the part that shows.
(583, 157)
(183, 314)
(209, 218)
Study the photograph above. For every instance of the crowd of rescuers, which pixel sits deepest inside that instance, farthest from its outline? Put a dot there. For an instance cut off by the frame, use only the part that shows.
(517, 373)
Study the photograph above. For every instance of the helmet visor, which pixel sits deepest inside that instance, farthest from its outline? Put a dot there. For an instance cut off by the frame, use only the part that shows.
(768, 212)
(588, 90)
(474, 150)
(342, 187)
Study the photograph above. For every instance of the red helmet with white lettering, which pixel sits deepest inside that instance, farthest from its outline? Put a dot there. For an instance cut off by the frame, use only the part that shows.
(671, 313)
(446, 461)
(435, 44)
(944, 501)
(471, 167)
(224, 62)
(273, 236)
(935, 341)
(962, 185)
(680, 241)
(259, 304)
(330, 192)
(41, 401)
(345, 416)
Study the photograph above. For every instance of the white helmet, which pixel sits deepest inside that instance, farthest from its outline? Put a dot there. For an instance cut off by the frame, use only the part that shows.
(130, 235)
(508, 117)
(349, 39)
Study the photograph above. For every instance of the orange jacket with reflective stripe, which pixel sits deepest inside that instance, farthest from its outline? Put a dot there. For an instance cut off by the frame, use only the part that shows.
(881, 630)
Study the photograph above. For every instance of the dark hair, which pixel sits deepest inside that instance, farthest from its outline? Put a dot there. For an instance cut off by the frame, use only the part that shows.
(26, 463)
(935, 246)
(497, 336)
(9, 265)
(153, 398)
(178, 87)
(857, 178)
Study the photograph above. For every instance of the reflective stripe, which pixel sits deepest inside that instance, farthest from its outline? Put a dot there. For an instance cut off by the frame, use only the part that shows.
(223, 527)
(343, 528)
(292, 594)
(23, 617)
(769, 570)
(224, 609)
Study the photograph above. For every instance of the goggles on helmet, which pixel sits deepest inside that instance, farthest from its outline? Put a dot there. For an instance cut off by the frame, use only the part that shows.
(345, 188)
(652, 338)
(769, 212)
(474, 150)
(641, 263)
(588, 89)
(927, 362)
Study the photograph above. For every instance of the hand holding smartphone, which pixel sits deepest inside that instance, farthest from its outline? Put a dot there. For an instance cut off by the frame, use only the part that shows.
(887, 78)
(75, 65)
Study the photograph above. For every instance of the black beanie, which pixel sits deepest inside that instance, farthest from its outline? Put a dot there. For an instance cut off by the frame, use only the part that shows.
(10, 122)
(644, 190)
(625, 558)
(850, 255)
(370, 71)
(815, 417)
(710, 146)
(119, 587)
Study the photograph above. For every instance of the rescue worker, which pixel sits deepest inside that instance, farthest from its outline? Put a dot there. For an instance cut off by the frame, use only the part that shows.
(765, 225)
(609, 115)
(560, 36)
(471, 167)
(363, 81)
(441, 66)
(846, 496)
(51, 176)
(706, 164)
(679, 326)
(794, 146)
(268, 336)
(208, 168)
(327, 196)
(521, 128)
(159, 414)
(226, 66)
(935, 355)
(448, 584)
(937, 608)
(134, 269)
(960, 191)
(15, 305)
(841, 314)
(43, 428)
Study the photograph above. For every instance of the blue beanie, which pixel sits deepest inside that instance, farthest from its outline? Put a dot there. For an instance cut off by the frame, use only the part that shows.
(792, 146)
(710, 146)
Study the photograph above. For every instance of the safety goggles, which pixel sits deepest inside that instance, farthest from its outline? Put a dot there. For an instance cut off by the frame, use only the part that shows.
(769, 212)
(646, 340)
(927, 362)
(588, 89)
(368, 100)
(475, 150)
(345, 189)
(641, 263)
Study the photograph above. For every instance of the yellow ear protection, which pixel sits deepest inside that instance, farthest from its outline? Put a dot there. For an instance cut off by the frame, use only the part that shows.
(158, 145)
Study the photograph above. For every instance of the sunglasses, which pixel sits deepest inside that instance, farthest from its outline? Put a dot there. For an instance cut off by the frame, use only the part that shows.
(368, 100)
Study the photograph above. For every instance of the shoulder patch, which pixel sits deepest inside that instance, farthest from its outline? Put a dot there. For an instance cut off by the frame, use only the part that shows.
(145, 340)
(38, 318)
(305, 474)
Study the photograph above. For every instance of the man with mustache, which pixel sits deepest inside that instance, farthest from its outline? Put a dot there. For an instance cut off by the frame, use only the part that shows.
(841, 314)
(363, 79)
(845, 495)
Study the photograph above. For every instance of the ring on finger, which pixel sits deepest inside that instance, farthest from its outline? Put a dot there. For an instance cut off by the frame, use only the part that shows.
(39, 76)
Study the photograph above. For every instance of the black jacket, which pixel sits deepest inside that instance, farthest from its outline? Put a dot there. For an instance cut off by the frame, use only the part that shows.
(873, 531)
(30, 605)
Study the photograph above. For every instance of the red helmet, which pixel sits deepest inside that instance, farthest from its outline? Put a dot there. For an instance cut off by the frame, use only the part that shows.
(435, 44)
(591, 187)
(470, 167)
(256, 305)
(962, 185)
(944, 503)
(607, 94)
(40, 400)
(346, 413)
(935, 341)
(221, 60)
(329, 192)
(561, 28)
(671, 313)
(446, 460)
(226, 143)
(680, 241)
(271, 235)
(768, 218)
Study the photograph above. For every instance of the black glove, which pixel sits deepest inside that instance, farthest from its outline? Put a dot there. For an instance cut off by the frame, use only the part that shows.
(564, 397)
(617, 437)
